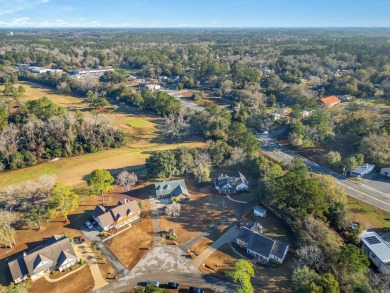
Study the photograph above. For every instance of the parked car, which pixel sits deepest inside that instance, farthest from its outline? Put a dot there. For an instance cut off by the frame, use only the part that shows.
(195, 290)
(240, 223)
(173, 285)
(154, 283)
(89, 225)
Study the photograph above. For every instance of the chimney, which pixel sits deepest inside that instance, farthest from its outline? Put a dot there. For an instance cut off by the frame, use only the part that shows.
(125, 200)
(24, 253)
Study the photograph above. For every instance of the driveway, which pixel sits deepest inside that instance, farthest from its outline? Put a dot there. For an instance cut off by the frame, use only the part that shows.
(93, 236)
(164, 264)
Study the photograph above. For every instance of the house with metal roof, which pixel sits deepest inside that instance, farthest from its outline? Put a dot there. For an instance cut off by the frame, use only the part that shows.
(377, 250)
(330, 101)
(230, 184)
(362, 170)
(124, 213)
(262, 247)
(56, 253)
(173, 188)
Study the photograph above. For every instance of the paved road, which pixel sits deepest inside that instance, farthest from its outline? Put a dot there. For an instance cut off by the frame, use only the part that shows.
(359, 191)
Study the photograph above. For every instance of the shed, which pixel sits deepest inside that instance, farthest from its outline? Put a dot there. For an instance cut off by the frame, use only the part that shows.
(385, 171)
(361, 171)
(260, 211)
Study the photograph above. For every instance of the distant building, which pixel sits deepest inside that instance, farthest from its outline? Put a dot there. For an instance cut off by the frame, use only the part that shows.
(262, 247)
(361, 171)
(231, 184)
(55, 253)
(385, 171)
(173, 188)
(330, 101)
(377, 250)
(346, 98)
(153, 87)
(92, 71)
(124, 213)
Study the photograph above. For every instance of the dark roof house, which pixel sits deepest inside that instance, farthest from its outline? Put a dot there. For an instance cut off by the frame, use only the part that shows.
(56, 252)
(262, 247)
(173, 188)
(231, 184)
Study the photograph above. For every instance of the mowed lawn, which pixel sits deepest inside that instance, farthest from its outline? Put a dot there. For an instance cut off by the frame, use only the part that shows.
(143, 136)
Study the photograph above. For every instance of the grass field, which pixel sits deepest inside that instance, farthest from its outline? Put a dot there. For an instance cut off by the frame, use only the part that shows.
(143, 136)
(367, 216)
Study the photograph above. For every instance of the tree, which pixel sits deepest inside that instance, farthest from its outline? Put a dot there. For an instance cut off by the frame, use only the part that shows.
(126, 179)
(237, 156)
(7, 232)
(38, 214)
(63, 200)
(202, 167)
(242, 273)
(305, 280)
(333, 158)
(16, 288)
(176, 126)
(376, 148)
(95, 101)
(161, 164)
(350, 163)
(173, 209)
(101, 181)
(352, 259)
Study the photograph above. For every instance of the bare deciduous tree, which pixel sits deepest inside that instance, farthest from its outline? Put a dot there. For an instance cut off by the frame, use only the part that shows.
(176, 127)
(7, 232)
(202, 165)
(237, 156)
(126, 179)
(173, 209)
(312, 256)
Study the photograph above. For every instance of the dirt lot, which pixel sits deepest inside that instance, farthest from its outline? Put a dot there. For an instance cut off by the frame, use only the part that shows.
(266, 279)
(79, 282)
(197, 214)
(131, 245)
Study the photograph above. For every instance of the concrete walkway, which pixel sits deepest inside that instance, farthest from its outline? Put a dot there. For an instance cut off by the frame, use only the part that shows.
(235, 200)
(155, 221)
(63, 277)
(227, 237)
(85, 252)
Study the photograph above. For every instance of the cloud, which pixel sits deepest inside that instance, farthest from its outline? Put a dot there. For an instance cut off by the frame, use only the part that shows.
(26, 22)
(11, 7)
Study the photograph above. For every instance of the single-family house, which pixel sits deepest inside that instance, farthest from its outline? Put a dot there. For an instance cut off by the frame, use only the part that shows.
(260, 211)
(173, 188)
(361, 171)
(262, 247)
(124, 213)
(231, 184)
(56, 253)
(330, 101)
(385, 171)
(377, 250)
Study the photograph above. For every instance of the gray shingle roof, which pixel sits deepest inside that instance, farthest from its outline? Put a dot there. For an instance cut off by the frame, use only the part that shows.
(47, 255)
(262, 244)
(236, 178)
(173, 187)
(123, 209)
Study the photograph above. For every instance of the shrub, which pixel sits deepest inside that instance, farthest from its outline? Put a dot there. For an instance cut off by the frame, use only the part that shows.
(82, 261)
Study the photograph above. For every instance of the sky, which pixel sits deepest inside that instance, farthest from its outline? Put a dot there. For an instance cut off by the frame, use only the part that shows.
(194, 13)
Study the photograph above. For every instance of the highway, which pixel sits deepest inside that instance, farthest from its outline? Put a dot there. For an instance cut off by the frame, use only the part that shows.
(280, 153)
(362, 192)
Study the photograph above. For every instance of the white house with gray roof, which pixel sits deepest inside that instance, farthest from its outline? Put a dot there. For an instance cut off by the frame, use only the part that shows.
(231, 184)
(56, 253)
(377, 250)
(262, 247)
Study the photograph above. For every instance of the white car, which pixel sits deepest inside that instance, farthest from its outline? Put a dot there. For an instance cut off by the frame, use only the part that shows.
(89, 225)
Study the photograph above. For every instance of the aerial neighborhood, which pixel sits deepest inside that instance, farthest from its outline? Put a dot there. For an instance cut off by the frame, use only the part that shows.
(171, 158)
